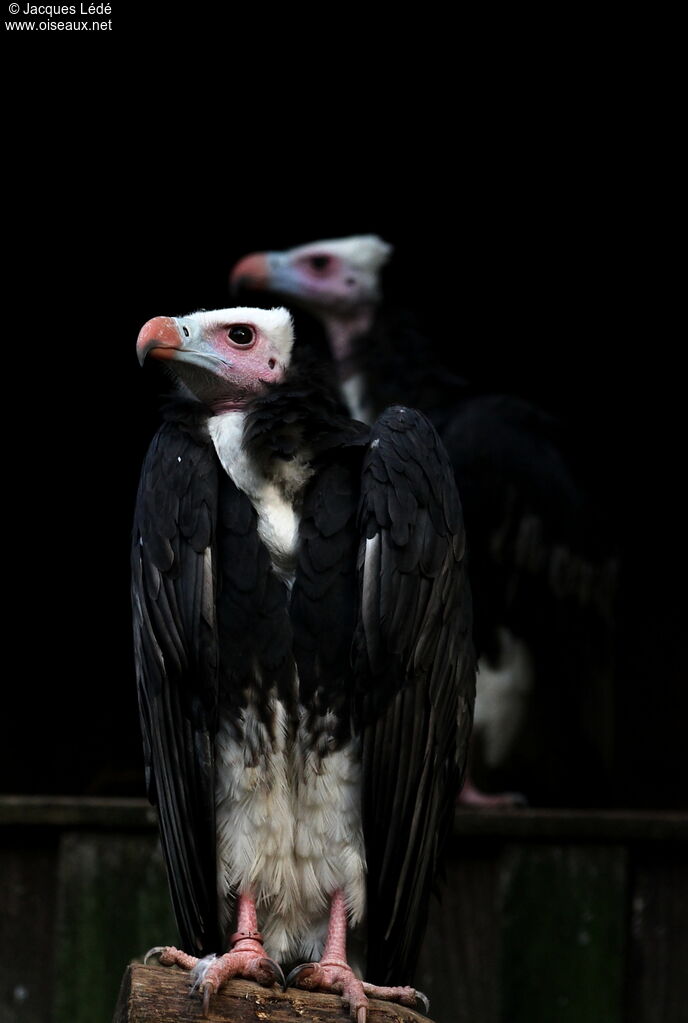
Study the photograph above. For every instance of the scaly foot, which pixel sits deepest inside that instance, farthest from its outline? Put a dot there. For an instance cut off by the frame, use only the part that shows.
(337, 976)
(246, 959)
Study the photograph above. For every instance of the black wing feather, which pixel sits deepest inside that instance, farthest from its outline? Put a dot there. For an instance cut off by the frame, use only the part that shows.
(177, 662)
(415, 671)
(324, 600)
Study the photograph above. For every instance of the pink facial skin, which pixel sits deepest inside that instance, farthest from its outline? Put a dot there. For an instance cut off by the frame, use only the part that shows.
(223, 360)
(316, 279)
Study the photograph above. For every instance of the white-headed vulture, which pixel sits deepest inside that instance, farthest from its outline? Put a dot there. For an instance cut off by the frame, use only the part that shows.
(541, 576)
(305, 665)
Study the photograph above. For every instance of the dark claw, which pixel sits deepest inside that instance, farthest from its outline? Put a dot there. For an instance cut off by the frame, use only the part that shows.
(297, 971)
(276, 971)
(424, 1000)
(207, 994)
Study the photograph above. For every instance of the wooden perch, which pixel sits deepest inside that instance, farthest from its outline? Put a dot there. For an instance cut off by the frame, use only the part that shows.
(158, 994)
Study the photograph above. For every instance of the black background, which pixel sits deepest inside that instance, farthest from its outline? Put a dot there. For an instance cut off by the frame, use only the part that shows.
(536, 248)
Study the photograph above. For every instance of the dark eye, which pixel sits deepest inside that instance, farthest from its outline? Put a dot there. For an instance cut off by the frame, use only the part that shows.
(240, 334)
(319, 263)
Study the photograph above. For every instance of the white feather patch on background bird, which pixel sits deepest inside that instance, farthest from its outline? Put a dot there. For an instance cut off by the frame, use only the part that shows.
(502, 696)
(353, 390)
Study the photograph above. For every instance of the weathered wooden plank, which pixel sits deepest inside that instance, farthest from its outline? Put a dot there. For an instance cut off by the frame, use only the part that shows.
(468, 970)
(458, 967)
(156, 994)
(66, 812)
(27, 909)
(76, 812)
(563, 934)
(113, 904)
(597, 826)
(657, 988)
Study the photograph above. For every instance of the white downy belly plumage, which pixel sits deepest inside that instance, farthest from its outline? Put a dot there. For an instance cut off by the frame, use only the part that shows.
(290, 835)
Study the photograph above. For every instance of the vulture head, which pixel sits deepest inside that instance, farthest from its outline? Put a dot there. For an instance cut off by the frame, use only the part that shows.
(222, 358)
(339, 276)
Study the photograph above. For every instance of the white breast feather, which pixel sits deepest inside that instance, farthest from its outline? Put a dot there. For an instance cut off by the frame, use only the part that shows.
(278, 522)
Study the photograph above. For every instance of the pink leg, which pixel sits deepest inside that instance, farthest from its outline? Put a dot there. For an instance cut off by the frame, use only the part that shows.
(335, 946)
(471, 795)
(247, 958)
(333, 972)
